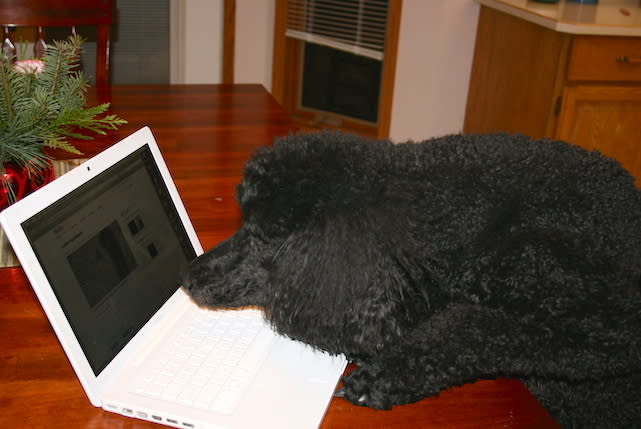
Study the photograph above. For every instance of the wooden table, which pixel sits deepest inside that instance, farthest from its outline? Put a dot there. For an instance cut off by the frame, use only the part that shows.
(206, 133)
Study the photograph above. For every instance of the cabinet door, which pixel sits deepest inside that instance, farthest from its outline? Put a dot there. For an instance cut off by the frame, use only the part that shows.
(606, 118)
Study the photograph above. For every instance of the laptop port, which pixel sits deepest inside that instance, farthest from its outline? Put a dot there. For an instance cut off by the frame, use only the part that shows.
(157, 418)
(172, 421)
(188, 425)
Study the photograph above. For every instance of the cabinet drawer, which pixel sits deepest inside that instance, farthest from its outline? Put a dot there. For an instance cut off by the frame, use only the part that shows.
(603, 58)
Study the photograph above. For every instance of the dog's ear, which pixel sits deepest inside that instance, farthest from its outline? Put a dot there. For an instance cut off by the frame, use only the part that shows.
(347, 275)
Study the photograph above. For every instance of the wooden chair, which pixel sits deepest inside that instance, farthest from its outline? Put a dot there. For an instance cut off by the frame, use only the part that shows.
(64, 13)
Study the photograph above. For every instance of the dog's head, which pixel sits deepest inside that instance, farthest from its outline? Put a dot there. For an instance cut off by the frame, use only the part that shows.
(322, 247)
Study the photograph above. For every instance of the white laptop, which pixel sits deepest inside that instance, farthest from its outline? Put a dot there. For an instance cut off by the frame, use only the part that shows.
(102, 247)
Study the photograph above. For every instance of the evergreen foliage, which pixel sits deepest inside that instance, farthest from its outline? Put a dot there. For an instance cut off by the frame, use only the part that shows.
(45, 108)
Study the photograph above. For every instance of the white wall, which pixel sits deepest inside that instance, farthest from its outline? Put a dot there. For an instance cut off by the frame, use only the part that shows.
(254, 42)
(436, 46)
(196, 41)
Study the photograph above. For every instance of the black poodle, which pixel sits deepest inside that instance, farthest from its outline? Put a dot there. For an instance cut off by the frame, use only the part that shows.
(438, 263)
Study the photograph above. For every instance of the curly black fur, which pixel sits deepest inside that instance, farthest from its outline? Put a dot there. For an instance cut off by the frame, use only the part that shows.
(438, 263)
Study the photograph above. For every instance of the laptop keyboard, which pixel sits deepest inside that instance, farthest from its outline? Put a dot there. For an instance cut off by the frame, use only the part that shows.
(211, 361)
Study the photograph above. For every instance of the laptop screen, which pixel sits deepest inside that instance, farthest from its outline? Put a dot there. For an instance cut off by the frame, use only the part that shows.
(112, 250)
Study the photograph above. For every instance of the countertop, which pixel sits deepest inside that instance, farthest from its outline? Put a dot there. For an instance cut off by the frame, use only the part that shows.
(607, 18)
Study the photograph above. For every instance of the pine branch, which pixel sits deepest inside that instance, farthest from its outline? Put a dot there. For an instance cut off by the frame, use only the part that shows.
(48, 108)
(8, 87)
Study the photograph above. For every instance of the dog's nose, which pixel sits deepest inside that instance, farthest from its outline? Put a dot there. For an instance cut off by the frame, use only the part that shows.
(184, 278)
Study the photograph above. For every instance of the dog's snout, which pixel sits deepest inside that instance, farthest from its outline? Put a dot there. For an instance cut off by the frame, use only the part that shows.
(184, 280)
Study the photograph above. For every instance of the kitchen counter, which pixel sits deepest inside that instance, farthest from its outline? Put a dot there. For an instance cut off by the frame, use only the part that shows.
(608, 18)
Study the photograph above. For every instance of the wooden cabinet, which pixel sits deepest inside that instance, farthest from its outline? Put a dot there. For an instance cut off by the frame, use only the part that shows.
(584, 89)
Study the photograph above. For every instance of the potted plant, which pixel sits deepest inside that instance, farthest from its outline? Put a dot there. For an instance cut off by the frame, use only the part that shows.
(42, 105)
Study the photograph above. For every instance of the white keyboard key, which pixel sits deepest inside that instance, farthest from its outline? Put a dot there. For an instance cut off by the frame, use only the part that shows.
(188, 394)
(144, 387)
(207, 395)
(162, 379)
(204, 373)
(189, 370)
(196, 360)
(172, 391)
(154, 390)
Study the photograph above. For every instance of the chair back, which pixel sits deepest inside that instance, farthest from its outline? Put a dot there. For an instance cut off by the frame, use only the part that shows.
(60, 13)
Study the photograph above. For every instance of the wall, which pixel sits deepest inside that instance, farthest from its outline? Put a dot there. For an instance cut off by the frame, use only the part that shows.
(436, 47)
(196, 41)
(253, 53)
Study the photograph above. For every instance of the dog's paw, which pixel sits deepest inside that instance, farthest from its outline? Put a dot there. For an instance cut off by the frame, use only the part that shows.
(363, 387)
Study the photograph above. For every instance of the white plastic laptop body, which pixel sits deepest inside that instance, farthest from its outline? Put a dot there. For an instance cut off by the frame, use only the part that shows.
(102, 247)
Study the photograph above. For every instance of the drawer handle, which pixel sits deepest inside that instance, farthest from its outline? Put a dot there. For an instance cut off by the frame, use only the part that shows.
(629, 60)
